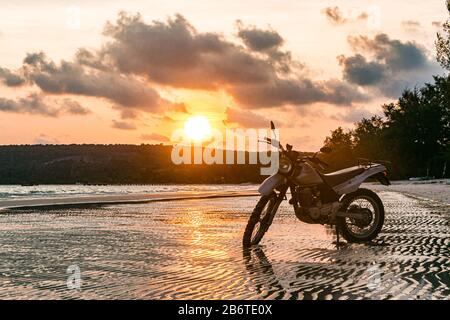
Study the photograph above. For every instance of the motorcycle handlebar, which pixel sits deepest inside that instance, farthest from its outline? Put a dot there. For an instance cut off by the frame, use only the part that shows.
(272, 141)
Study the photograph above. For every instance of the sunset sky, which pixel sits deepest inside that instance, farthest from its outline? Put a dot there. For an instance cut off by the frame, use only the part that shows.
(83, 72)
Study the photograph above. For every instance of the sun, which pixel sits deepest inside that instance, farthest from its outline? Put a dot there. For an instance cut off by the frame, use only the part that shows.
(197, 128)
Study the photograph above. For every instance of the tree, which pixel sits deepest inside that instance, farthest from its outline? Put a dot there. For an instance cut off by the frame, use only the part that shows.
(341, 144)
(443, 43)
(413, 130)
(368, 138)
(414, 134)
(339, 139)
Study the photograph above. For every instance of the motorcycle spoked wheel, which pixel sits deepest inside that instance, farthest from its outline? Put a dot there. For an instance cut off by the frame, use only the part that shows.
(260, 220)
(368, 202)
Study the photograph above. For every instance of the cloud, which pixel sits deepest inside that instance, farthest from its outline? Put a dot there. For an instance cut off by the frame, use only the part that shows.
(358, 70)
(33, 104)
(72, 78)
(11, 79)
(175, 54)
(297, 92)
(123, 125)
(73, 107)
(387, 64)
(334, 15)
(337, 17)
(396, 54)
(353, 115)
(38, 104)
(267, 42)
(437, 24)
(140, 58)
(154, 137)
(246, 119)
(129, 94)
(44, 139)
(260, 40)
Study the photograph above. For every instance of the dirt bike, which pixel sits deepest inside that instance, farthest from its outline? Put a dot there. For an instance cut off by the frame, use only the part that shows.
(332, 198)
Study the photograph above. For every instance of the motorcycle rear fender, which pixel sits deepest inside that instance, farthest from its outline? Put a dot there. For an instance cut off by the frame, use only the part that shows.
(354, 183)
(271, 183)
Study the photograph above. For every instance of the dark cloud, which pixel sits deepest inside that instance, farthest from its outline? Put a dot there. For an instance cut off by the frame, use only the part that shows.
(337, 17)
(123, 125)
(11, 79)
(387, 64)
(73, 107)
(297, 92)
(260, 40)
(269, 43)
(358, 70)
(246, 119)
(91, 59)
(33, 104)
(396, 54)
(38, 104)
(173, 53)
(84, 76)
(139, 56)
(72, 78)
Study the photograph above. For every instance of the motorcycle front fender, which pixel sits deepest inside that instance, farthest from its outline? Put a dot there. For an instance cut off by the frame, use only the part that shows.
(271, 183)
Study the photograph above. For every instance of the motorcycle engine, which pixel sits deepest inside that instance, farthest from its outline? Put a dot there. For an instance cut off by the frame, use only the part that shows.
(308, 197)
(309, 200)
(311, 209)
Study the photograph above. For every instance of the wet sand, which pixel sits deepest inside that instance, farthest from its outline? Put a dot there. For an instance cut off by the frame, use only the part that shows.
(434, 191)
(191, 249)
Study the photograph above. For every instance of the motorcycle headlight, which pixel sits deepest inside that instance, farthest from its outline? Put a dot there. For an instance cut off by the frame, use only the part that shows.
(285, 165)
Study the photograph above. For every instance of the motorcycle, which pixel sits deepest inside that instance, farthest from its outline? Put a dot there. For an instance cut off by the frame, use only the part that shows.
(334, 198)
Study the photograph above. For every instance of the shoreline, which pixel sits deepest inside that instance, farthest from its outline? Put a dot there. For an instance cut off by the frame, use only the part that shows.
(431, 191)
(119, 199)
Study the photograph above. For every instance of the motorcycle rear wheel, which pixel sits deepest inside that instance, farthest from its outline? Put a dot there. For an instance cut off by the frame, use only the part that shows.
(260, 220)
(362, 231)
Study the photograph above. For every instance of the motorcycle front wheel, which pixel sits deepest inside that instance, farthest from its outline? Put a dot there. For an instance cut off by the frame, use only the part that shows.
(260, 220)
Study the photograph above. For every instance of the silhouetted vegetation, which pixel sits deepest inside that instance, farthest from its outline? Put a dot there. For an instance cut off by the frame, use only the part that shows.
(413, 134)
(111, 164)
(443, 43)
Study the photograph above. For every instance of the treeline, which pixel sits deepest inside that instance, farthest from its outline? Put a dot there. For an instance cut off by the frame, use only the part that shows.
(413, 134)
(111, 164)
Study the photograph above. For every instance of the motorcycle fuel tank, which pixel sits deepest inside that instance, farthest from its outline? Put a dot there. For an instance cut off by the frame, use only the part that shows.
(308, 175)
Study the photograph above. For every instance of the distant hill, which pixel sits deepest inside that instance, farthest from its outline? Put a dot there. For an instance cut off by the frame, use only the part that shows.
(111, 164)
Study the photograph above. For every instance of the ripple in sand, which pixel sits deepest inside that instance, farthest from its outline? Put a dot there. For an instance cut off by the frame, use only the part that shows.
(192, 250)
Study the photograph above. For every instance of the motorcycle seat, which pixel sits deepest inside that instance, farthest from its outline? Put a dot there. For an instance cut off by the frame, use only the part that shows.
(338, 177)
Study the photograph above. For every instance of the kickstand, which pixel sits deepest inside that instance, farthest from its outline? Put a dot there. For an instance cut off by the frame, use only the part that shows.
(338, 242)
